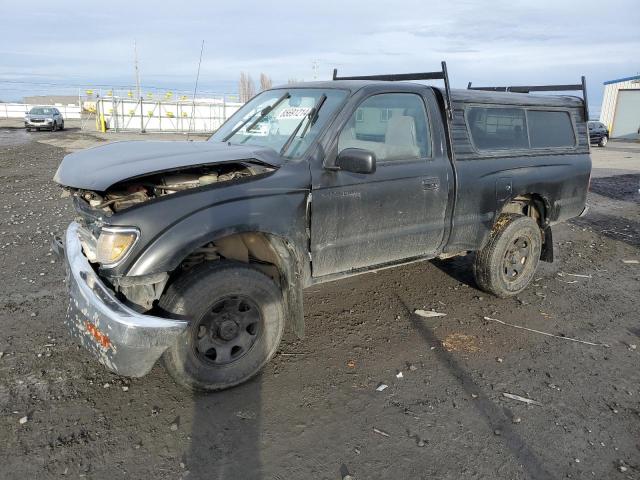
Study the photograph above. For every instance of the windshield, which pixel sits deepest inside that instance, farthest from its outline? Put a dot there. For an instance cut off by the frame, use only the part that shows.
(41, 111)
(272, 127)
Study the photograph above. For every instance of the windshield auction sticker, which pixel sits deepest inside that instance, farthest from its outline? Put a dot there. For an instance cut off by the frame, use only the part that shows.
(294, 112)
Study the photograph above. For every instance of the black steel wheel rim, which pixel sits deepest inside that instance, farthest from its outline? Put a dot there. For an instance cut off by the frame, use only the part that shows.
(227, 331)
(516, 258)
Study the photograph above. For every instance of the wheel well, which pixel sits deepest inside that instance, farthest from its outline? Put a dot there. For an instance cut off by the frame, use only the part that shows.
(534, 206)
(270, 254)
(255, 248)
(531, 205)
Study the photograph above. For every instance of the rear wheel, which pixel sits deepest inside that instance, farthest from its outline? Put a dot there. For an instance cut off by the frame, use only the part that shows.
(236, 316)
(507, 263)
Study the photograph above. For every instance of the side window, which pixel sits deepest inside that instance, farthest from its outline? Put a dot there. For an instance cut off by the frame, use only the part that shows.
(394, 126)
(550, 129)
(495, 128)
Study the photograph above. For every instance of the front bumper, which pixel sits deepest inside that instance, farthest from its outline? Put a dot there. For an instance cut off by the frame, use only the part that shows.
(125, 341)
(31, 124)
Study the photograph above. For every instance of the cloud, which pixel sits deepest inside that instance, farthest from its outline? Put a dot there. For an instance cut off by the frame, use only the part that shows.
(494, 42)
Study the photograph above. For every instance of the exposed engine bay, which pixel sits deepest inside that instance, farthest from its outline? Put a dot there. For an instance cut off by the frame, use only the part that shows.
(132, 192)
(141, 292)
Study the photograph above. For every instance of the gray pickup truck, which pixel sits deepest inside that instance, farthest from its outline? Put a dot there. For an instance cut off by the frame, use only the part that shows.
(198, 252)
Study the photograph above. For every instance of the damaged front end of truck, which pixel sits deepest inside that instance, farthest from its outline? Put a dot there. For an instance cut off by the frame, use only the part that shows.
(196, 251)
(113, 313)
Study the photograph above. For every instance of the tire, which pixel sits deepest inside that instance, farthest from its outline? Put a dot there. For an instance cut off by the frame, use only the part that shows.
(28, 129)
(603, 141)
(231, 307)
(54, 127)
(507, 263)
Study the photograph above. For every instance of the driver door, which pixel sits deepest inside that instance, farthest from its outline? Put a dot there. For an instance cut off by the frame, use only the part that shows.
(361, 220)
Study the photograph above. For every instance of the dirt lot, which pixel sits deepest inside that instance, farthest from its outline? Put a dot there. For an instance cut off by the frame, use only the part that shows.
(315, 413)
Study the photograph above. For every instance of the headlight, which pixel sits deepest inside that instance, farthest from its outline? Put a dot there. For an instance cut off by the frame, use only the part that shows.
(114, 243)
(49, 120)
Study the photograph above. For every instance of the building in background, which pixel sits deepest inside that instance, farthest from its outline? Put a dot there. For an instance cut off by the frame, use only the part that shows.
(621, 107)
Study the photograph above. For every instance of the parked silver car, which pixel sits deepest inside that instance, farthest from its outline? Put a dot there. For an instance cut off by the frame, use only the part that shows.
(44, 117)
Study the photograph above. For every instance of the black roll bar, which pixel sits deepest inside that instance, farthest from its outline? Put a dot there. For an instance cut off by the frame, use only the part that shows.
(399, 77)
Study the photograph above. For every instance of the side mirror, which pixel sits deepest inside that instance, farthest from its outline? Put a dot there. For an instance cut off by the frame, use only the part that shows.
(356, 160)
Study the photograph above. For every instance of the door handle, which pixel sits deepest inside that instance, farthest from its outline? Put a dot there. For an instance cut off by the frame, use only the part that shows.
(430, 183)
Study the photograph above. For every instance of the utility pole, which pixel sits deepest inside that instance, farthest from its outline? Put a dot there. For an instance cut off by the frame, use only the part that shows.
(137, 71)
(195, 92)
(138, 92)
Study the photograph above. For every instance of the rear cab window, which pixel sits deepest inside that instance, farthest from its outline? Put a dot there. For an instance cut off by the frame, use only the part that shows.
(518, 128)
(548, 129)
(498, 128)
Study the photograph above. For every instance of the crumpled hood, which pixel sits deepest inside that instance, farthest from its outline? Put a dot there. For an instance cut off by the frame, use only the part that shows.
(98, 168)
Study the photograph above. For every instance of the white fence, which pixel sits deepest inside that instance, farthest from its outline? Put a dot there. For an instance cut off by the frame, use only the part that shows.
(205, 115)
(18, 110)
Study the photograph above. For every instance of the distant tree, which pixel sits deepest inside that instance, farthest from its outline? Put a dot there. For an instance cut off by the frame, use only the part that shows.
(265, 82)
(246, 88)
(292, 80)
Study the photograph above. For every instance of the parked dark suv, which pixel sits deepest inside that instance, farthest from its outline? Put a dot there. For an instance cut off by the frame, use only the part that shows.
(199, 251)
(598, 133)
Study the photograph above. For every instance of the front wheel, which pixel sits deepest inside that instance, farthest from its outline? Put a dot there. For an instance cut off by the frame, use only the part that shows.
(603, 141)
(507, 263)
(236, 316)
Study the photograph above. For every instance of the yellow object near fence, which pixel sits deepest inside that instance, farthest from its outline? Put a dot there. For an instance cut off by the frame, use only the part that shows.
(101, 124)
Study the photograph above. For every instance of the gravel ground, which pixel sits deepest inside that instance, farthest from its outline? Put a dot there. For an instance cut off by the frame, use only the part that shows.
(314, 413)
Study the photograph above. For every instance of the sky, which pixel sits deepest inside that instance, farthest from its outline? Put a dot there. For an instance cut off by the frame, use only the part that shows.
(56, 47)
